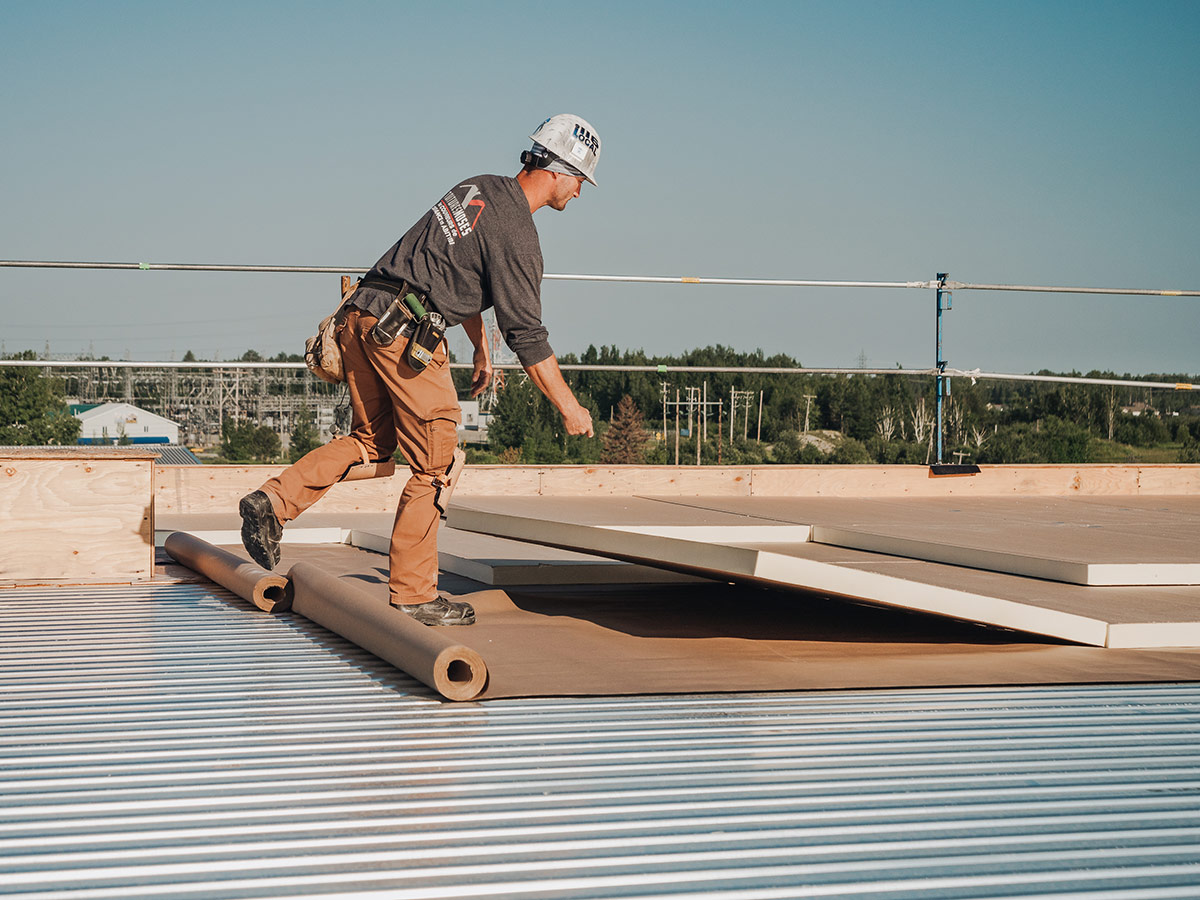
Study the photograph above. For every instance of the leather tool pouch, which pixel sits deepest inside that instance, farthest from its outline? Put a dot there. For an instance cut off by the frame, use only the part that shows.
(427, 334)
(322, 354)
(391, 324)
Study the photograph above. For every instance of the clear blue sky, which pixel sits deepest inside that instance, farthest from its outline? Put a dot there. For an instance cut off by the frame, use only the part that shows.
(1019, 142)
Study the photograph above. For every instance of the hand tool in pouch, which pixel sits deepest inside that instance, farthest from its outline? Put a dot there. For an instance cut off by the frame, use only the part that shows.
(427, 330)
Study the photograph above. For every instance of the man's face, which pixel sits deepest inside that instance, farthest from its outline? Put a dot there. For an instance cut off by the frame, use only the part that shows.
(566, 187)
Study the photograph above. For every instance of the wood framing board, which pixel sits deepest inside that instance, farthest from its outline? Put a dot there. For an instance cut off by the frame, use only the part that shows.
(1085, 540)
(1157, 616)
(1065, 480)
(76, 516)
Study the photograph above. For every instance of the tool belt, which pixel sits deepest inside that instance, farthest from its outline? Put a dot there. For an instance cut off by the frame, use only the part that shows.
(408, 316)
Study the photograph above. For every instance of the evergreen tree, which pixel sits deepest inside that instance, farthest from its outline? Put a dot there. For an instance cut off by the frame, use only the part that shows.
(625, 440)
(244, 441)
(305, 436)
(265, 445)
(1189, 450)
(32, 410)
(235, 439)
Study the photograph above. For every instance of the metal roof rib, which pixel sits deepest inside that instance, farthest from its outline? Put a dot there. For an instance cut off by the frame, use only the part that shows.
(171, 741)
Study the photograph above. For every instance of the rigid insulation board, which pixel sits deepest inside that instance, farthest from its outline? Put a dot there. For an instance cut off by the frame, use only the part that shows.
(656, 533)
(581, 640)
(499, 562)
(1089, 541)
(488, 560)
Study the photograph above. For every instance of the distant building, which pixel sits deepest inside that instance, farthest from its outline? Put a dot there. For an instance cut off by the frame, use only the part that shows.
(474, 423)
(1139, 408)
(109, 423)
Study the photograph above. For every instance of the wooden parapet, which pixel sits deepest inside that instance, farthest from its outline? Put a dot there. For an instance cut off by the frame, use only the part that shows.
(76, 515)
(217, 489)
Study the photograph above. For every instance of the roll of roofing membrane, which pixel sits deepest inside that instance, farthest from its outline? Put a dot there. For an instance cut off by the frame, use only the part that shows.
(429, 654)
(269, 591)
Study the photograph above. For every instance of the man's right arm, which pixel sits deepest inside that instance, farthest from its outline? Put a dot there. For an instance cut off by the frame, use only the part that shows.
(549, 380)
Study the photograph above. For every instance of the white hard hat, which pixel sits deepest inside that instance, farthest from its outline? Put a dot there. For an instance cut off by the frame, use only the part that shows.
(572, 140)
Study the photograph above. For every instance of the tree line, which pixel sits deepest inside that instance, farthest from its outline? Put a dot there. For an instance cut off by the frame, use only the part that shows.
(804, 418)
(842, 419)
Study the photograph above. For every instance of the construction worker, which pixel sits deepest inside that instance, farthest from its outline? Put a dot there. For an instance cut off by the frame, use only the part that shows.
(476, 248)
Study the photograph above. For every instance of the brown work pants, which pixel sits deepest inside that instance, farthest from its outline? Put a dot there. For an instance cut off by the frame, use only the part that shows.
(393, 406)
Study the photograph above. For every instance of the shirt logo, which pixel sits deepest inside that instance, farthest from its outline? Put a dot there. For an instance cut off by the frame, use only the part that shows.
(453, 214)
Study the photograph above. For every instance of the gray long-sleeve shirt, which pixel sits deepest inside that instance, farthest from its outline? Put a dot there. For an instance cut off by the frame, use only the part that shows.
(477, 248)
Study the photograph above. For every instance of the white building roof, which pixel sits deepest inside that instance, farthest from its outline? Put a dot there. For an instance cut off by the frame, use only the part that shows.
(109, 411)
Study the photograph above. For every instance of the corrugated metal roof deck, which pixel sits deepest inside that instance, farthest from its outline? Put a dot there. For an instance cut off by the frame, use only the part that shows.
(170, 741)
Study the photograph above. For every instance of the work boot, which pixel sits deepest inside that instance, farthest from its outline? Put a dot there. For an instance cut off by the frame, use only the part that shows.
(261, 531)
(439, 611)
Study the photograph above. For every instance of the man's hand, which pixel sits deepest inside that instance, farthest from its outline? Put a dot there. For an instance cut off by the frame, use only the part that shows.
(482, 375)
(548, 378)
(578, 421)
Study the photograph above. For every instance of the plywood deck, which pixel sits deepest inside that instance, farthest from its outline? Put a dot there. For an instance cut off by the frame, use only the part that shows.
(655, 532)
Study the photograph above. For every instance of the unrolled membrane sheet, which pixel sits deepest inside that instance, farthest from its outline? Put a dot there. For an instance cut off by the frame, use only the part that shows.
(269, 591)
(609, 640)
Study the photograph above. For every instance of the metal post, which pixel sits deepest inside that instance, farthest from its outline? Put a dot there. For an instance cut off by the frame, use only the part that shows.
(677, 426)
(664, 402)
(940, 364)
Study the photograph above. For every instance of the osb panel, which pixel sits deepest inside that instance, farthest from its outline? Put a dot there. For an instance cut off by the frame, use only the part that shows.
(76, 520)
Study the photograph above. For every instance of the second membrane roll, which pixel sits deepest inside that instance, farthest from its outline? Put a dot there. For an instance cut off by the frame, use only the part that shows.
(269, 591)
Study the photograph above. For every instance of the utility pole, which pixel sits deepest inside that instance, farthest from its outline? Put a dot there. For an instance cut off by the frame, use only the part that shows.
(677, 426)
(742, 398)
(758, 437)
(720, 415)
(664, 386)
(809, 398)
(693, 401)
